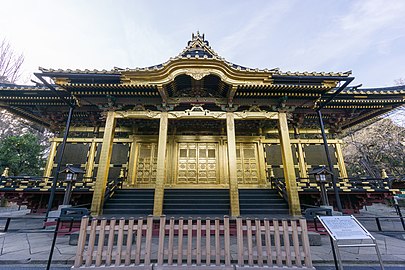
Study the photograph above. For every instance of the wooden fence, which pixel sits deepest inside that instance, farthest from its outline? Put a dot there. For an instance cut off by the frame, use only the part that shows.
(172, 243)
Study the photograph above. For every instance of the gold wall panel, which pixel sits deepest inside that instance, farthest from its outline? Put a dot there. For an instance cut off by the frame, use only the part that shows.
(197, 163)
(146, 164)
(247, 163)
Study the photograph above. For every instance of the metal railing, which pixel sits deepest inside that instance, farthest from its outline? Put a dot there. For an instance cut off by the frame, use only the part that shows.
(350, 183)
(279, 184)
(381, 223)
(11, 183)
(57, 230)
(112, 186)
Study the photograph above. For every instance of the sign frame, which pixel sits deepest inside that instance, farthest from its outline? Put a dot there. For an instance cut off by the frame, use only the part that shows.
(346, 228)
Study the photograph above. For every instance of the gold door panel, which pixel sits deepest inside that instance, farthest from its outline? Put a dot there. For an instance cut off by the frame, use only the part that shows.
(247, 163)
(197, 163)
(146, 164)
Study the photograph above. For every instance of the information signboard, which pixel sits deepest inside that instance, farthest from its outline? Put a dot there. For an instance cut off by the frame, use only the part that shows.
(347, 228)
(344, 227)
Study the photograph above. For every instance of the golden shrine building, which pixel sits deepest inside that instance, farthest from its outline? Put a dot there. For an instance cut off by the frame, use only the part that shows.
(197, 135)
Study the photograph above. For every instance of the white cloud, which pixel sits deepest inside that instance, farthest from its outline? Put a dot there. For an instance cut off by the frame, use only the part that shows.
(253, 31)
(353, 33)
(366, 36)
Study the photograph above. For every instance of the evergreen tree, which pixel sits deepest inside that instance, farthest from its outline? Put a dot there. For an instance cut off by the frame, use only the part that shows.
(23, 155)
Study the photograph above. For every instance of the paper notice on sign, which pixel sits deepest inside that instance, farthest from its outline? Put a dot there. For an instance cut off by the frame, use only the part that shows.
(345, 227)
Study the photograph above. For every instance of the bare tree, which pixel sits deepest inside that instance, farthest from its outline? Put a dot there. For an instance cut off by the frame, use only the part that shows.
(400, 81)
(10, 125)
(10, 63)
(379, 146)
(399, 114)
(10, 71)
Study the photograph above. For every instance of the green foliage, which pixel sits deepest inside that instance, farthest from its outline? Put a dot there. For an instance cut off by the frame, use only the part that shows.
(22, 154)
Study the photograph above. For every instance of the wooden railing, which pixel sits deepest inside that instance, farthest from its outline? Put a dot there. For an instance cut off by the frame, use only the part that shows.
(175, 243)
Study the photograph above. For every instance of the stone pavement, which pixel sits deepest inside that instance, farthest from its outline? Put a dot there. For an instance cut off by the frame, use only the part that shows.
(31, 250)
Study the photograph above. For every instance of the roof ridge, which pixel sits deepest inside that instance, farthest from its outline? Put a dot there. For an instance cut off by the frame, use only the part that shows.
(198, 47)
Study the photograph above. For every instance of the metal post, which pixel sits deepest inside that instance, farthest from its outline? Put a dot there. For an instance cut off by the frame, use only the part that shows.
(378, 254)
(55, 235)
(377, 220)
(400, 215)
(59, 161)
(7, 225)
(325, 144)
(316, 224)
(68, 192)
(334, 253)
(324, 194)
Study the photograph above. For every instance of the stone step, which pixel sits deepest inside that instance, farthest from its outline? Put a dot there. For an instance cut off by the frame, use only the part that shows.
(258, 202)
(130, 202)
(196, 202)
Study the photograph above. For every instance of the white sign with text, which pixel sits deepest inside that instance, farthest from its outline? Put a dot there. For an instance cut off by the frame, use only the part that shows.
(344, 227)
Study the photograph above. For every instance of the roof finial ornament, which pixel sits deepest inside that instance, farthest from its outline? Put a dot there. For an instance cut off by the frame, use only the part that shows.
(197, 35)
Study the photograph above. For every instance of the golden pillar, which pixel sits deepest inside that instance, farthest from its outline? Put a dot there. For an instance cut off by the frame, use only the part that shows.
(233, 180)
(131, 166)
(301, 162)
(341, 162)
(50, 161)
(262, 164)
(160, 172)
(288, 165)
(103, 165)
(171, 155)
(90, 159)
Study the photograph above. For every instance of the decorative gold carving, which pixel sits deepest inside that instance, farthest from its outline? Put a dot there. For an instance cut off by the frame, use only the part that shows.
(329, 83)
(384, 174)
(139, 108)
(197, 69)
(197, 73)
(245, 115)
(196, 112)
(138, 114)
(61, 81)
(77, 100)
(5, 172)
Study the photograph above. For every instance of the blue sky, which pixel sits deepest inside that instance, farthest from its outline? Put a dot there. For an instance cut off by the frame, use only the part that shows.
(367, 37)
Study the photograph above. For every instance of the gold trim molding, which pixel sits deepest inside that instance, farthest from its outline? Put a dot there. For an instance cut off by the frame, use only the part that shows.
(196, 114)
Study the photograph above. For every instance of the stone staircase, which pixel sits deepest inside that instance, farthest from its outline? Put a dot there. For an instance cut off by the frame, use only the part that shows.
(262, 202)
(196, 202)
(130, 202)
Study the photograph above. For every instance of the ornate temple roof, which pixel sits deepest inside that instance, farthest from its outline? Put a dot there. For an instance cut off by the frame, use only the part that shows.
(197, 48)
(197, 75)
